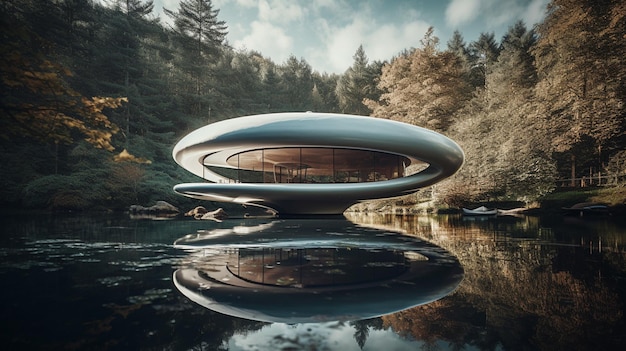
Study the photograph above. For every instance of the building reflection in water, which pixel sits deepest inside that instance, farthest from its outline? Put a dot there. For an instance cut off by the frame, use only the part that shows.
(297, 271)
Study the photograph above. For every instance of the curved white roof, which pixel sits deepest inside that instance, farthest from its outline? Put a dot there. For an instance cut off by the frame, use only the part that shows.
(218, 141)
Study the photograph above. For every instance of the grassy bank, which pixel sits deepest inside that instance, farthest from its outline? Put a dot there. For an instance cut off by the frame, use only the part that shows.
(554, 202)
(611, 196)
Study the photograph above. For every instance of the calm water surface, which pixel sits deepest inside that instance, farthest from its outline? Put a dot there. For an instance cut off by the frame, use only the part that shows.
(367, 282)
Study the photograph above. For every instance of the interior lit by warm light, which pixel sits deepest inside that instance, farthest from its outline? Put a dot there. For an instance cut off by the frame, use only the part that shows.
(312, 165)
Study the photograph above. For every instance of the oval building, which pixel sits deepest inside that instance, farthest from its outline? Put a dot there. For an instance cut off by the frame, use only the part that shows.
(312, 163)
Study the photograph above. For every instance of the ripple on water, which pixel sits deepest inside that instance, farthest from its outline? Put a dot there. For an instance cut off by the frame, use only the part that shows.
(149, 296)
(113, 281)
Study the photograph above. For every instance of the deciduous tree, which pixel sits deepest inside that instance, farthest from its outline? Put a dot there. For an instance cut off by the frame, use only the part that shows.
(38, 102)
(423, 87)
(581, 69)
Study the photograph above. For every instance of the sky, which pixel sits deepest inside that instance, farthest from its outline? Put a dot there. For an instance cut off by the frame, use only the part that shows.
(327, 336)
(327, 33)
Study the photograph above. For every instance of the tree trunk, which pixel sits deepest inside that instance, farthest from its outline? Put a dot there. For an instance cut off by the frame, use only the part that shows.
(573, 174)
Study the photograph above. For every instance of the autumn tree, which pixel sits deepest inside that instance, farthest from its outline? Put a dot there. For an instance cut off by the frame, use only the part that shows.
(424, 87)
(579, 57)
(38, 102)
(506, 152)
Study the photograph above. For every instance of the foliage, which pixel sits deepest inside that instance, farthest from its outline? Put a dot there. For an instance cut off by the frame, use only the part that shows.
(424, 87)
(37, 100)
(537, 105)
(616, 168)
(567, 198)
(506, 156)
(579, 58)
(78, 191)
(357, 84)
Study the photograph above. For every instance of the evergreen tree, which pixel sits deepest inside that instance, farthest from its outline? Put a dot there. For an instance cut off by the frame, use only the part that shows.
(506, 154)
(324, 95)
(513, 73)
(297, 80)
(457, 46)
(357, 84)
(199, 35)
(272, 93)
(482, 53)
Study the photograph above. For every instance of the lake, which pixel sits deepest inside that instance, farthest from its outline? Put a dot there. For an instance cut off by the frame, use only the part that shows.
(363, 282)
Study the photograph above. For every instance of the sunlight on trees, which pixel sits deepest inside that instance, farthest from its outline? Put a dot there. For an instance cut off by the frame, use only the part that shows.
(38, 101)
(424, 87)
(579, 58)
(529, 108)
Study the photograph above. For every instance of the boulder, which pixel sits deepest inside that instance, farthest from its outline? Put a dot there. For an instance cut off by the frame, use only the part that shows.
(197, 212)
(218, 214)
(160, 207)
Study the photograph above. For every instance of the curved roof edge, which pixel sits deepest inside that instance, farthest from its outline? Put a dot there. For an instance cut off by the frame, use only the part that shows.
(300, 129)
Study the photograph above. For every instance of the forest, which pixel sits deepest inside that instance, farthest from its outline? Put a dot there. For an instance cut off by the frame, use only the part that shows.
(94, 97)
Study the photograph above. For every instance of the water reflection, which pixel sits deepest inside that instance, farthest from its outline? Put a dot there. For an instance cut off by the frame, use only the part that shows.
(299, 271)
(530, 283)
(105, 282)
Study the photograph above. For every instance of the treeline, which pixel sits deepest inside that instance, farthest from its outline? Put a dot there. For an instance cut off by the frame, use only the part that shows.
(95, 96)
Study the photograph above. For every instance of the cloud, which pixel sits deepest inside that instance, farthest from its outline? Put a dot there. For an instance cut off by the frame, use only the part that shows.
(379, 42)
(461, 12)
(246, 3)
(281, 12)
(497, 13)
(326, 335)
(267, 38)
(338, 8)
(535, 12)
(494, 14)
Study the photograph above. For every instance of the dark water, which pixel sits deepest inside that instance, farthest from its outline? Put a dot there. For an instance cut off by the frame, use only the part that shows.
(366, 282)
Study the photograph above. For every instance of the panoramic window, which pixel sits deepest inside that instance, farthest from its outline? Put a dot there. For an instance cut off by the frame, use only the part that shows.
(312, 165)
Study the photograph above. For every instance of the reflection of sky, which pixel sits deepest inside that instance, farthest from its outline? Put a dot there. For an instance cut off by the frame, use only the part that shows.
(322, 336)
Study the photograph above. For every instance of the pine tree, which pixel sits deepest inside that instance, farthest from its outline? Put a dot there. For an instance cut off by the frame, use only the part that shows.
(326, 87)
(482, 53)
(457, 45)
(272, 94)
(199, 35)
(297, 80)
(357, 84)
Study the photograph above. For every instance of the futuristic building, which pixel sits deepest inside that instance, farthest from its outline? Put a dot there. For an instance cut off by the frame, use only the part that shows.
(312, 163)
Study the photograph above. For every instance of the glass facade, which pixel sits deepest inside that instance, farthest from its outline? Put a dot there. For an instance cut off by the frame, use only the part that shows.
(312, 165)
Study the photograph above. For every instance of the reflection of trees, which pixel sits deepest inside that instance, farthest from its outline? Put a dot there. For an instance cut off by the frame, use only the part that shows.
(362, 329)
(518, 292)
(456, 318)
(190, 328)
